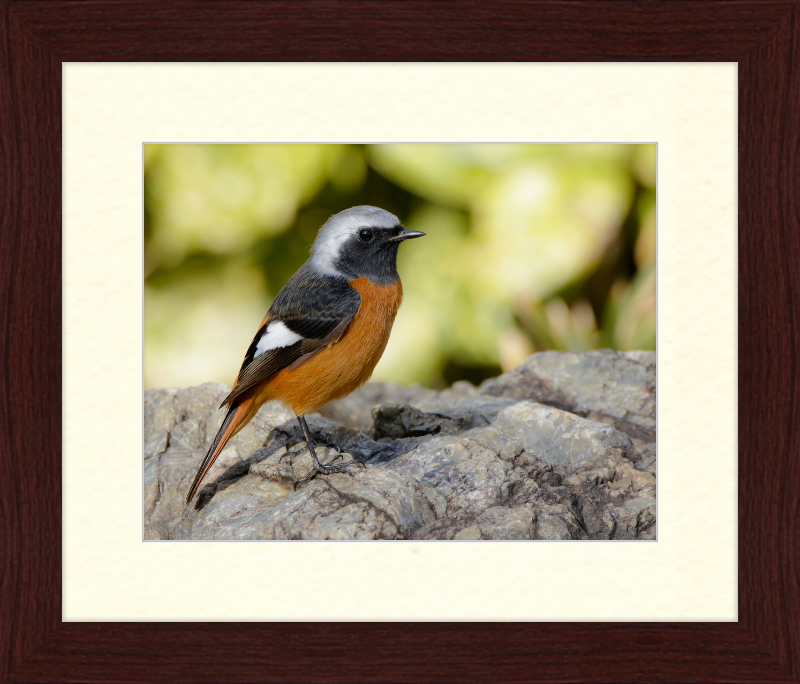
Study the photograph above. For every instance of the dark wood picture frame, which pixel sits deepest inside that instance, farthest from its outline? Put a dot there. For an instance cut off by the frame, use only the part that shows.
(763, 36)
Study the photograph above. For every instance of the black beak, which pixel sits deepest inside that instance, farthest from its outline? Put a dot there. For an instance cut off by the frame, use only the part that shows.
(407, 235)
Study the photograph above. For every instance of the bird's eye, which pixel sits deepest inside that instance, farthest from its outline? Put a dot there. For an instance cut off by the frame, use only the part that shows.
(365, 235)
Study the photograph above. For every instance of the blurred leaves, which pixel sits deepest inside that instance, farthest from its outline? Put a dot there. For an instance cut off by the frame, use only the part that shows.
(221, 198)
(528, 247)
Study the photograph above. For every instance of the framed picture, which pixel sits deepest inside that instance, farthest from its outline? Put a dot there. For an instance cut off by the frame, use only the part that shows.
(47, 642)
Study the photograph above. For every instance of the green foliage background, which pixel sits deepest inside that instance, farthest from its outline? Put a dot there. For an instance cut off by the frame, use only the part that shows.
(528, 247)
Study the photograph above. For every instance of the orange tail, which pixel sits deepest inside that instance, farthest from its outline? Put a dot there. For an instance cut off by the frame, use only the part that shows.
(236, 418)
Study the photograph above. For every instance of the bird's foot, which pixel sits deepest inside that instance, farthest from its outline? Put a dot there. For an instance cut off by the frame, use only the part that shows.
(328, 469)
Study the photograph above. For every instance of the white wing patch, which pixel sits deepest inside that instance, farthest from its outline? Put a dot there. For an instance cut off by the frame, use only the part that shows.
(276, 335)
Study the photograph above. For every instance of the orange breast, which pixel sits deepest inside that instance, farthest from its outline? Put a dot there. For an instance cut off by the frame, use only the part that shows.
(347, 364)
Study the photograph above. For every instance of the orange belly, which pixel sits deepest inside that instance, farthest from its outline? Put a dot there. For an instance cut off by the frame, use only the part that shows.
(345, 365)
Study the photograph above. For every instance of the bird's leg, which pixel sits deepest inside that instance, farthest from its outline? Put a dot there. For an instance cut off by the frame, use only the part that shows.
(326, 469)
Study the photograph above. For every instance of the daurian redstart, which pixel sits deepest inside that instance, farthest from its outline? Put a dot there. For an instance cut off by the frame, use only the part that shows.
(325, 331)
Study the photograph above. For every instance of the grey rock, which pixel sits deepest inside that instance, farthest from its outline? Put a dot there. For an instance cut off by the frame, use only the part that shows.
(395, 421)
(451, 416)
(559, 437)
(499, 522)
(618, 388)
(355, 410)
(469, 533)
(510, 450)
(552, 524)
(562, 447)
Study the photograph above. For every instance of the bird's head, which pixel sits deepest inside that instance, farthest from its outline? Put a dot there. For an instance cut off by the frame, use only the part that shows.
(361, 242)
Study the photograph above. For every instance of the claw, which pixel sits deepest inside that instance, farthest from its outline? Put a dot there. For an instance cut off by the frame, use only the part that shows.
(299, 449)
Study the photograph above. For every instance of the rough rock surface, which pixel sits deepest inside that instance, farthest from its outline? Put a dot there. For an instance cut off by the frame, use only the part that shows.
(562, 447)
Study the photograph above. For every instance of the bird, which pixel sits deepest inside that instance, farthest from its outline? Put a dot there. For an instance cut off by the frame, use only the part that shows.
(324, 332)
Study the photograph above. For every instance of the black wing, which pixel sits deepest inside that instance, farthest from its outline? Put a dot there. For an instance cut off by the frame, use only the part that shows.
(317, 307)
